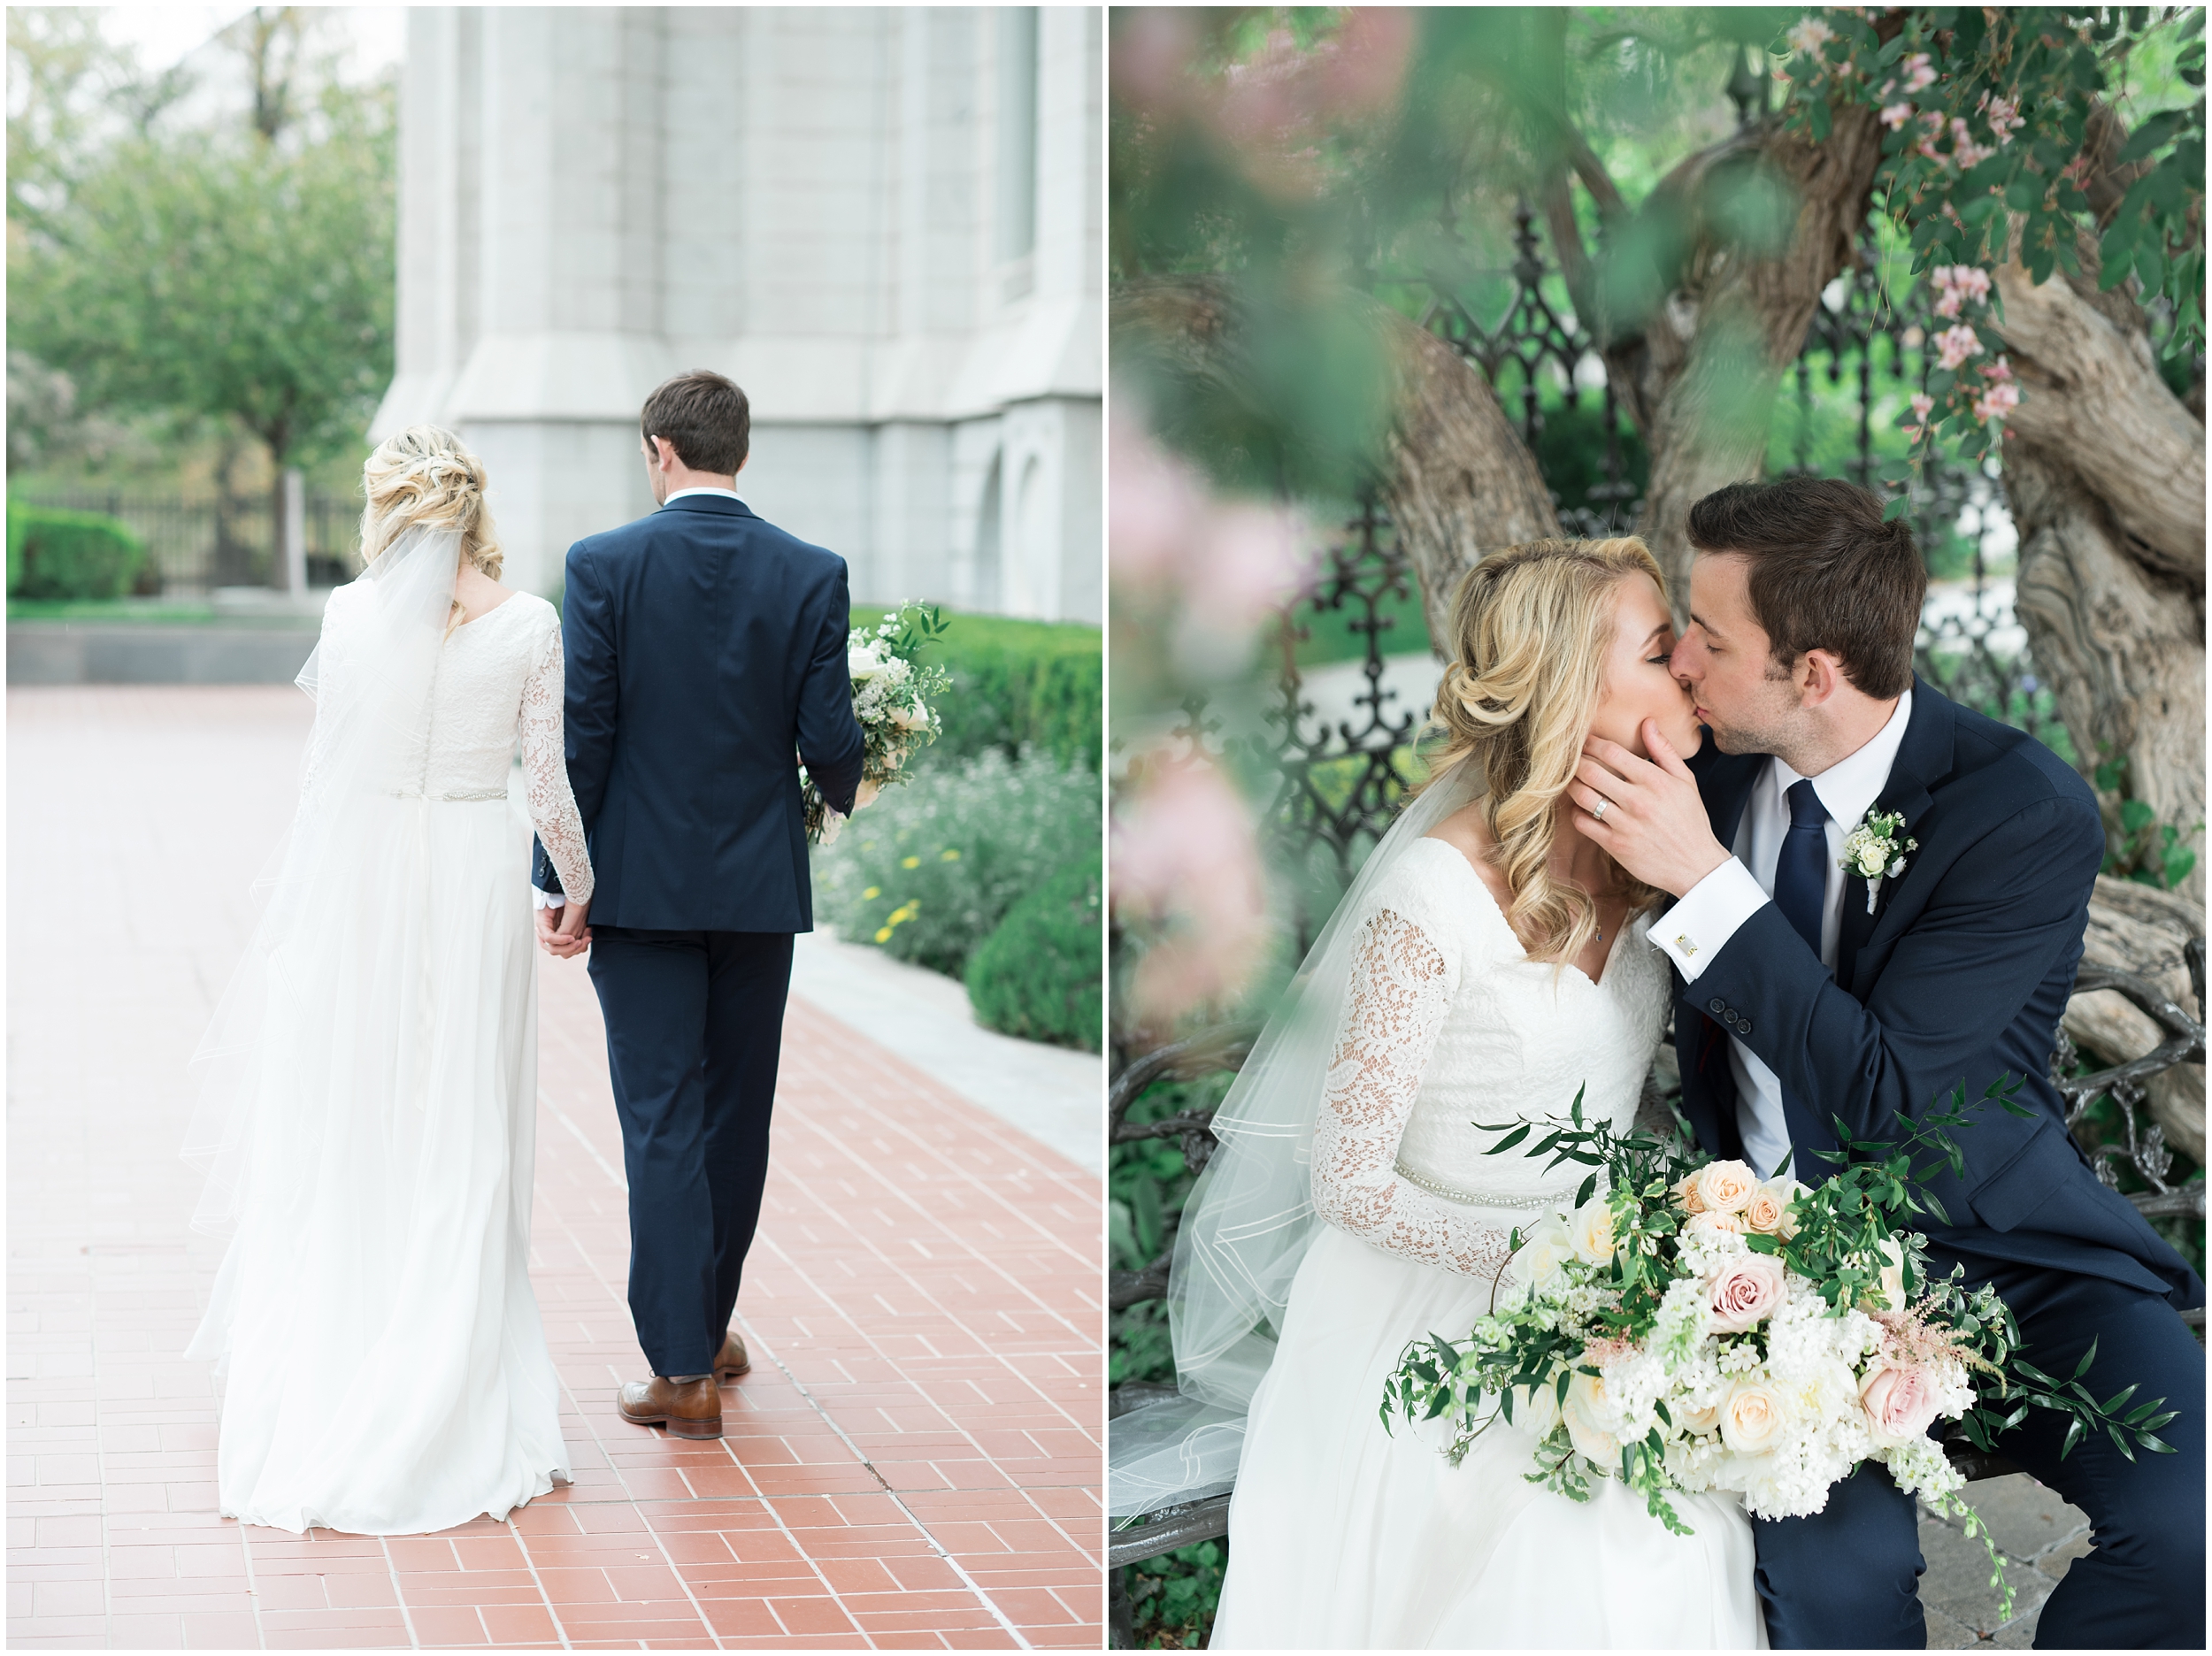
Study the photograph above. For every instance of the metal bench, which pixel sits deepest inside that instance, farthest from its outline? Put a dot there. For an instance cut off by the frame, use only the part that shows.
(1224, 1047)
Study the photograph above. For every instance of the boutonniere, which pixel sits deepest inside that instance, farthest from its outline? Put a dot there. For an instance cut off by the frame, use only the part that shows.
(1875, 850)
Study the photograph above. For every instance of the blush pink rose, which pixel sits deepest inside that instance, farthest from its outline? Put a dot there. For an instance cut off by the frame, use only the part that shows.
(1747, 1293)
(1900, 1401)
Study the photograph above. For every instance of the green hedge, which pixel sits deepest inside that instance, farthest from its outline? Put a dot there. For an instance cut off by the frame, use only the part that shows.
(1036, 684)
(71, 554)
(1038, 975)
(928, 870)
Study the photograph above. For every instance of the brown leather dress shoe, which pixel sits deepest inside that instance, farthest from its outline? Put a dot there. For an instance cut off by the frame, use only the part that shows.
(733, 1361)
(688, 1408)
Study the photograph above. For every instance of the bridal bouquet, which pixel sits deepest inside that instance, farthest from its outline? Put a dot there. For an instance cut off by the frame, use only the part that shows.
(1690, 1326)
(891, 698)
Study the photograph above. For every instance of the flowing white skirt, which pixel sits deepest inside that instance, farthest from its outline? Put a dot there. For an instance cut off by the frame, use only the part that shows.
(385, 1369)
(1340, 1536)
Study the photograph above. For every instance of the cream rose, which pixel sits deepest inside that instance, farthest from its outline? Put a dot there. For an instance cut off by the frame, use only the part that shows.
(910, 718)
(1686, 1193)
(1725, 1186)
(863, 663)
(1747, 1292)
(1732, 1223)
(1768, 1210)
(1591, 1231)
(1752, 1417)
(1900, 1401)
(1700, 1420)
(1586, 1397)
(1891, 1281)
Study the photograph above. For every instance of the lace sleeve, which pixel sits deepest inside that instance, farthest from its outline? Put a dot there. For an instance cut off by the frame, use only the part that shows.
(545, 772)
(1399, 996)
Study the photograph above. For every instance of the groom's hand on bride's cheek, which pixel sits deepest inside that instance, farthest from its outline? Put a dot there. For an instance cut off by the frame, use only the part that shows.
(1653, 824)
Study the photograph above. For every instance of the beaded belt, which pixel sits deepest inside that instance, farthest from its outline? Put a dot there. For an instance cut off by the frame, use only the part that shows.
(1558, 1199)
(462, 797)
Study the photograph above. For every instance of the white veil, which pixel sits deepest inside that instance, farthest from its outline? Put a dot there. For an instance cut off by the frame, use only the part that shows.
(269, 1057)
(1248, 1222)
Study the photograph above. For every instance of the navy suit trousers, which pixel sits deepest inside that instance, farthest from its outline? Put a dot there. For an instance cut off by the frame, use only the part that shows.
(694, 1025)
(1846, 1578)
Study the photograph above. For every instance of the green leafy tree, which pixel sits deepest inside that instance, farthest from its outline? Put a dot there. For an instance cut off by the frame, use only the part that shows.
(242, 273)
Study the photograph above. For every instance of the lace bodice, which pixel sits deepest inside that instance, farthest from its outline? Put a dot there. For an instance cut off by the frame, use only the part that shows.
(499, 677)
(1448, 1022)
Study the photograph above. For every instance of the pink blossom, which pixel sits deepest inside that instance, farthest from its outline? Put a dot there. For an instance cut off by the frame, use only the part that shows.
(2004, 117)
(1956, 283)
(1997, 401)
(1919, 73)
(1811, 36)
(1965, 152)
(1185, 858)
(1747, 1291)
(1998, 370)
(1154, 505)
(1956, 344)
(1895, 115)
(1227, 562)
(1900, 1401)
(1923, 404)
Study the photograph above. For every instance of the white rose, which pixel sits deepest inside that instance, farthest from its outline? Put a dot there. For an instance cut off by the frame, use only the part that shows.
(1585, 1402)
(1752, 1416)
(866, 793)
(1715, 1223)
(910, 718)
(1543, 1251)
(863, 664)
(1591, 1231)
(1536, 1408)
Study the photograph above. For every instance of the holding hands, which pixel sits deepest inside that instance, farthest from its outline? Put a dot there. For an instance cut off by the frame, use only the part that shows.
(1645, 813)
(561, 932)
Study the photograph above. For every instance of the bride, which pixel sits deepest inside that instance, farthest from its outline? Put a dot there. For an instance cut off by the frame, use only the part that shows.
(1487, 963)
(367, 1119)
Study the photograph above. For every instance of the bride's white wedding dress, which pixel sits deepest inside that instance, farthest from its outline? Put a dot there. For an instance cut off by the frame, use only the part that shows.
(384, 1369)
(1341, 1536)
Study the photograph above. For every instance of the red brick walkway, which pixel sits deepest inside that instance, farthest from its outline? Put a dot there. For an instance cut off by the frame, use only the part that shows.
(913, 1461)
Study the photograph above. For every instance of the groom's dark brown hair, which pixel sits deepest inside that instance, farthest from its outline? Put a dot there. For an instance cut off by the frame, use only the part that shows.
(705, 419)
(1827, 573)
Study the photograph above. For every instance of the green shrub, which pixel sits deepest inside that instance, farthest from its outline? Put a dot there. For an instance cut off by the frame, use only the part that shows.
(929, 871)
(55, 554)
(1037, 976)
(1018, 686)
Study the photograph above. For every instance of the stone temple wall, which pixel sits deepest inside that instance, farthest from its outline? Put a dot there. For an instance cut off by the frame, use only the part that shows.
(885, 223)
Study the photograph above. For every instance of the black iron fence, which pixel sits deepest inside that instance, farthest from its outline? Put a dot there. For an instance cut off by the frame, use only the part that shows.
(195, 544)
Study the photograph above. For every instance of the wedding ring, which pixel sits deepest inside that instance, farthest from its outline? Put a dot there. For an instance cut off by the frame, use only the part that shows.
(1598, 809)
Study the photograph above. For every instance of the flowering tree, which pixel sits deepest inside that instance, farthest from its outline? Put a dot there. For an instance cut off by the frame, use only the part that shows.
(2067, 250)
(2056, 211)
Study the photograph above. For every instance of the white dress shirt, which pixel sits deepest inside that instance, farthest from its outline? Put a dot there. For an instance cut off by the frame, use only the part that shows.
(1695, 928)
(541, 897)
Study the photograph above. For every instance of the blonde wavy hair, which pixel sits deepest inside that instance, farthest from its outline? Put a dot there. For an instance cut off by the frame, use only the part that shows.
(1532, 625)
(425, 478)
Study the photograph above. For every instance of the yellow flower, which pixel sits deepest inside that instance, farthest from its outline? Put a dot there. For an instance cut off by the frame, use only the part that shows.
(883, 934)
(950, 856)
(871, 893)
(913, 862)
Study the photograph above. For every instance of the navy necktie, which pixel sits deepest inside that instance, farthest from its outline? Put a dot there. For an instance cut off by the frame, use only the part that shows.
(1801, 873)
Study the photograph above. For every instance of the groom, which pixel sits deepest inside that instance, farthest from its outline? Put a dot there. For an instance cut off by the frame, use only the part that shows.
(705, 647)
(1798, 1001)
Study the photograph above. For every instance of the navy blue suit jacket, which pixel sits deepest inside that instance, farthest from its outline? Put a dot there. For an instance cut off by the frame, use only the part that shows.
(705, 657)
(1960, 975)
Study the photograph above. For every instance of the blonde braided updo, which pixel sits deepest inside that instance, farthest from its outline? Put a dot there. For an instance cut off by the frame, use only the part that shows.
(1532, 625)
(425, 478)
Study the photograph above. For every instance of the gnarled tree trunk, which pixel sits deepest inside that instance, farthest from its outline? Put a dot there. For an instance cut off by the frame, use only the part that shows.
(2104, 467)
